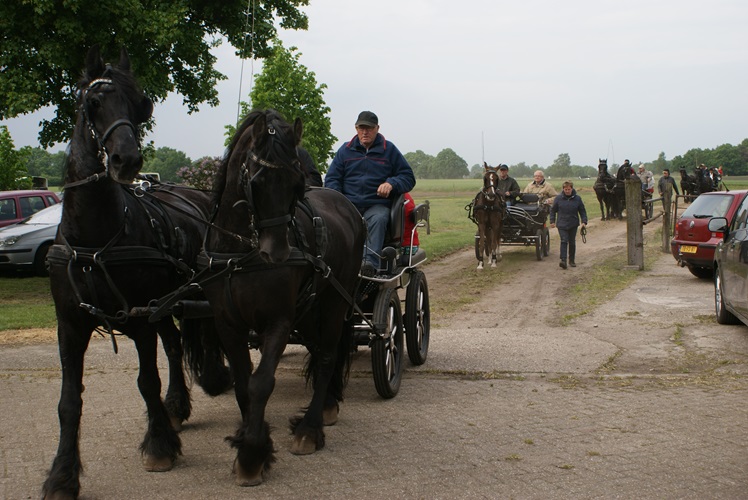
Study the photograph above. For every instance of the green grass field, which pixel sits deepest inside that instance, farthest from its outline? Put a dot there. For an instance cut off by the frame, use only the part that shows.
(25, 302)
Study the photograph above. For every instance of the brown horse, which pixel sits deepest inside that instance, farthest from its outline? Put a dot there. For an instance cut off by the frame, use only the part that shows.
(488, 209)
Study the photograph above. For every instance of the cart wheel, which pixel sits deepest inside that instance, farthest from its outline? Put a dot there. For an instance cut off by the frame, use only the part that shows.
(648, 210)
(387, 353)
(417, 318)
(539, 244)
(546, 242)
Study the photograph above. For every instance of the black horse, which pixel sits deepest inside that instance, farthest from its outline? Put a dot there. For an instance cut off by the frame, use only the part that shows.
(619, 191)
(116, 249)
(605, 190)
(284, 259)
(689, 185)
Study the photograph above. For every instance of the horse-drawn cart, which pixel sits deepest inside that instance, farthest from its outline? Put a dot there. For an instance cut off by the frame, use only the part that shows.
(524, 223)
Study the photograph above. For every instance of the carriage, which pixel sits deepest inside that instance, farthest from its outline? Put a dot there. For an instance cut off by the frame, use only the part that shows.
(525, 223)
(392, 307)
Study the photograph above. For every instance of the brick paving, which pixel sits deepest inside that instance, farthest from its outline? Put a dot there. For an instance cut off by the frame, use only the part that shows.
(563, 432)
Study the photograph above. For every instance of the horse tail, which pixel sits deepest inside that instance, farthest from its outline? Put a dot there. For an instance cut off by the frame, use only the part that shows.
(203, 354)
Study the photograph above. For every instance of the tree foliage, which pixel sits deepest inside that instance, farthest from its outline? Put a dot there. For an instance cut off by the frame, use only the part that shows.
(290, 88)
(44, 43)
(732, 159)
(42, 163)
(167, 162)
(13, 171)
(201, 173)
(421, 163)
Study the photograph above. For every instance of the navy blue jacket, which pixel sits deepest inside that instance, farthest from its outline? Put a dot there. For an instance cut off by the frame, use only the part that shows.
(357, 172)
(568, 210)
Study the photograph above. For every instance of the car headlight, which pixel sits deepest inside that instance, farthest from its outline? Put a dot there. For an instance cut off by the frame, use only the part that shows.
(10, 240)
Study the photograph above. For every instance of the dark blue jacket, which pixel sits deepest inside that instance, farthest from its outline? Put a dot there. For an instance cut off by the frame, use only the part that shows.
(357, 172)
(568, 210)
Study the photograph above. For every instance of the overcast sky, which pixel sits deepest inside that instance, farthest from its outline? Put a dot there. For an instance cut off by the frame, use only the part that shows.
(521, 80)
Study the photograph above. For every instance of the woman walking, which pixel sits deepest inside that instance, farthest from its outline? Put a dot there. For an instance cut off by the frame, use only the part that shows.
(567, 210)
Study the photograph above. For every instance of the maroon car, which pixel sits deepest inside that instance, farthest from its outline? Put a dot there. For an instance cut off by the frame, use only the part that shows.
(693, 244)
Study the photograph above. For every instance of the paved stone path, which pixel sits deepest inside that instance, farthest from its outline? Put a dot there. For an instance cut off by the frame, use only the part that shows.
(549, 425)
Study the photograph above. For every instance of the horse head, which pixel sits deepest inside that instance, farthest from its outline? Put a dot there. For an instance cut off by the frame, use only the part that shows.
(602, 168)
(490, 179)
(111, 106)
(262, 176)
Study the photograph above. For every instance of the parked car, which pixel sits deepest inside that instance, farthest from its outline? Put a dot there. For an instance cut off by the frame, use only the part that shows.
(25, 245)
(731, 267)
(17, 205)
(693, 243)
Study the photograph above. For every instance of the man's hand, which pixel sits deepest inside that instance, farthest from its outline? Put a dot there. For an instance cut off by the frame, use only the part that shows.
(384, 190)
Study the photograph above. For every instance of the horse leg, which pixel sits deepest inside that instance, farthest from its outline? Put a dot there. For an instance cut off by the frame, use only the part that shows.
(602, 207)
(326, 367)
(255, 453)
(161, 444)
(63, 480)
(177, 399)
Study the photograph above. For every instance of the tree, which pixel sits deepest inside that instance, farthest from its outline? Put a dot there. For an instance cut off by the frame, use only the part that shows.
(13, 172)
(44, 44)
(200, 174)
(290, 88)
(166, 161)
(41, 163)
(660, 163)
(476, 171)
(561, 167)
(421, 164)
(448, 165)
(521, 170)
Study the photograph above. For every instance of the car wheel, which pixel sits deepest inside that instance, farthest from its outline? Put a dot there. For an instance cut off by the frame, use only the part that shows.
(703, 273)
(724, 317)
(40, 260)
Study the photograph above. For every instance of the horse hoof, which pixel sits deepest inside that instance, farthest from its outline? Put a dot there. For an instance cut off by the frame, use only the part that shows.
(493, 265)
(157, 464)
(176, 423)
(244, 478)
(330, 416)
(303, 446)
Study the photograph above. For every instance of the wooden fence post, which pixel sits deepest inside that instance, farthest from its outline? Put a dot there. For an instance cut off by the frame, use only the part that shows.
(667, 202)
(634, 226)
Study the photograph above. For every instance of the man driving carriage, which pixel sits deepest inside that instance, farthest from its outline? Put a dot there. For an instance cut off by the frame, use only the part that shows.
(507, 185)
(541, 187)
(370, 171)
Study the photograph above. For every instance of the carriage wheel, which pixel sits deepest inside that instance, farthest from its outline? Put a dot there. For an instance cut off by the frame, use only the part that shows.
(417, 318)
(539, 244)
(546, 242)
(387, 352)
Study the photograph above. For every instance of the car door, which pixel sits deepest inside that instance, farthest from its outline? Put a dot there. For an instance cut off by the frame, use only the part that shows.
(735, 261)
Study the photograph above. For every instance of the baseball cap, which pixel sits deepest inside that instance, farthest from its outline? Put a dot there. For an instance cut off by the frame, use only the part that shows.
(503, 167)
(367, 118)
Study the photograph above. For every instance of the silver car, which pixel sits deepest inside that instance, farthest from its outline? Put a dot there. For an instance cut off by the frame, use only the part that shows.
(24, 245)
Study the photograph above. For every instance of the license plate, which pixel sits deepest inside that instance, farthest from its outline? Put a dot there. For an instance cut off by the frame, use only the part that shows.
(687, 249)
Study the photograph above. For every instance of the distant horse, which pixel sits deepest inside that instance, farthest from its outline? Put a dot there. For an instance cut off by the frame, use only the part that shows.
(605, 190)
(283, 259)
(619, 191)
(689, 185)
(115, 251)
(487, 212)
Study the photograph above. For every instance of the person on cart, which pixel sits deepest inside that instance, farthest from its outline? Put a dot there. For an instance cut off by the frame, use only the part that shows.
(410, 238)
(507, 185)
(545, 191)
(370, 171)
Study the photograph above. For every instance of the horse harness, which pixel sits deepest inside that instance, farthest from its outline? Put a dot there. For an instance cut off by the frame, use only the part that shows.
(488, 207)
(169, 251)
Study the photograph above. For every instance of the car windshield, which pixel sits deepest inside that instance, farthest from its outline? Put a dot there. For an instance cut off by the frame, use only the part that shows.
(709, 206)
(50, 215)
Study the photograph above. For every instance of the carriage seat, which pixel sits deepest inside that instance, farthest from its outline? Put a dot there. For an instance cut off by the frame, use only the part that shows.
(396, 231)
(530, 203)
